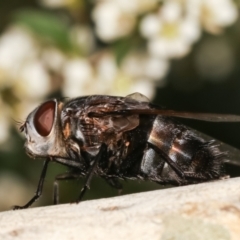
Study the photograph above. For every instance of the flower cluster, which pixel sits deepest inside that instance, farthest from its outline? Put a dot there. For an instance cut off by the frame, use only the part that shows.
(170, 28)
(127, 49)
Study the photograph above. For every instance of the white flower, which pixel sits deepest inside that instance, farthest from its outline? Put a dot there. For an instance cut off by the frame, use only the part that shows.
(83, 77)
(22, 74)
(137, 6)
(53, 58)
(139, 65)
(83, 38)
(169, 33)
(116, 19)
(103, 76)
(16, 47)
(112, 21)
(77, 74)
(131, 76)
(143, 86)
(106, 71)
(108, 78)
(57, 3)
(217, 14)
(156, 68)
(33, 81)
(150, 25)
(213, 14)
(171, 11)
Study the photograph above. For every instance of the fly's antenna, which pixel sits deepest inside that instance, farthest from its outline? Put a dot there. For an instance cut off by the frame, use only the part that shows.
(21, 124)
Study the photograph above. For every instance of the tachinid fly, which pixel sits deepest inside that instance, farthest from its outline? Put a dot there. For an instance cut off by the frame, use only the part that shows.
(120, 138)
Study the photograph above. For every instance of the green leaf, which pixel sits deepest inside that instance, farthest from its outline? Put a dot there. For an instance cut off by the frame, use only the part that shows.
(46, 26)
(121, 49)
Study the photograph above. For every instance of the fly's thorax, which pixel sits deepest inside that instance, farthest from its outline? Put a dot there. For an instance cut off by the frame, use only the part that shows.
(43, 131)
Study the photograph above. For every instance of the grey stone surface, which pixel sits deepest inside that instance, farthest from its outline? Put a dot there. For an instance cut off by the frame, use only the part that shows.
(200, 212)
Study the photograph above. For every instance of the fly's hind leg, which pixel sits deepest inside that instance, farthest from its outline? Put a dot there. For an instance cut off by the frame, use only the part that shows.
(62, 177)
(171, 163)
(113, 182)
(184, 177)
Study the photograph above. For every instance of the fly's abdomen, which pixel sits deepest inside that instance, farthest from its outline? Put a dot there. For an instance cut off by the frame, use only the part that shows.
(196, 158)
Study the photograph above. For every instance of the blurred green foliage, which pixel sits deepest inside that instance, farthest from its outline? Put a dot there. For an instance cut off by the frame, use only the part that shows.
(47, 26)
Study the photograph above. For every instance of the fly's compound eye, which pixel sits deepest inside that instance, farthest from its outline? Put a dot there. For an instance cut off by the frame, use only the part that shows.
(44, 118)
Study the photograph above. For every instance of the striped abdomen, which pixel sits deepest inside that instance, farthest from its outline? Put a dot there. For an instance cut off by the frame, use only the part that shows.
(197, 158)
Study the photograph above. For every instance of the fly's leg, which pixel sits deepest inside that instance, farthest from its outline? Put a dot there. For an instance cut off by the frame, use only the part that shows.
(39, 188)
(171, 163)
(182, 174)
(113, 182)
(91, 172)
(62, 177)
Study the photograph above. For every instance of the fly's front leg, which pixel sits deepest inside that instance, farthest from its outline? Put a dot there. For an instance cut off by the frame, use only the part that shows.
(91, 172)
(39, 188)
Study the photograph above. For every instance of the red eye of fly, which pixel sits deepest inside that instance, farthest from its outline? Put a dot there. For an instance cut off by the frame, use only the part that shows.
(44, 118)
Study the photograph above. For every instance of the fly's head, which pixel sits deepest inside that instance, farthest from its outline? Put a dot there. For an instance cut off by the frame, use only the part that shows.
(42, 130)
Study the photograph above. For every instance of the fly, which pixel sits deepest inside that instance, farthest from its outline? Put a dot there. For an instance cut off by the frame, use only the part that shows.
(121, 138)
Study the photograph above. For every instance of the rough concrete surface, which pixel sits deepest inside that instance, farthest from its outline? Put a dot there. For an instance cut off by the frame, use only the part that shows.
(200, 212)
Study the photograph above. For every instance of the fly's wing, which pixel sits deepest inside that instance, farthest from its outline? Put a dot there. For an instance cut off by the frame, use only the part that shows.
(110, 114)
(233, 154)
(137, 103)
